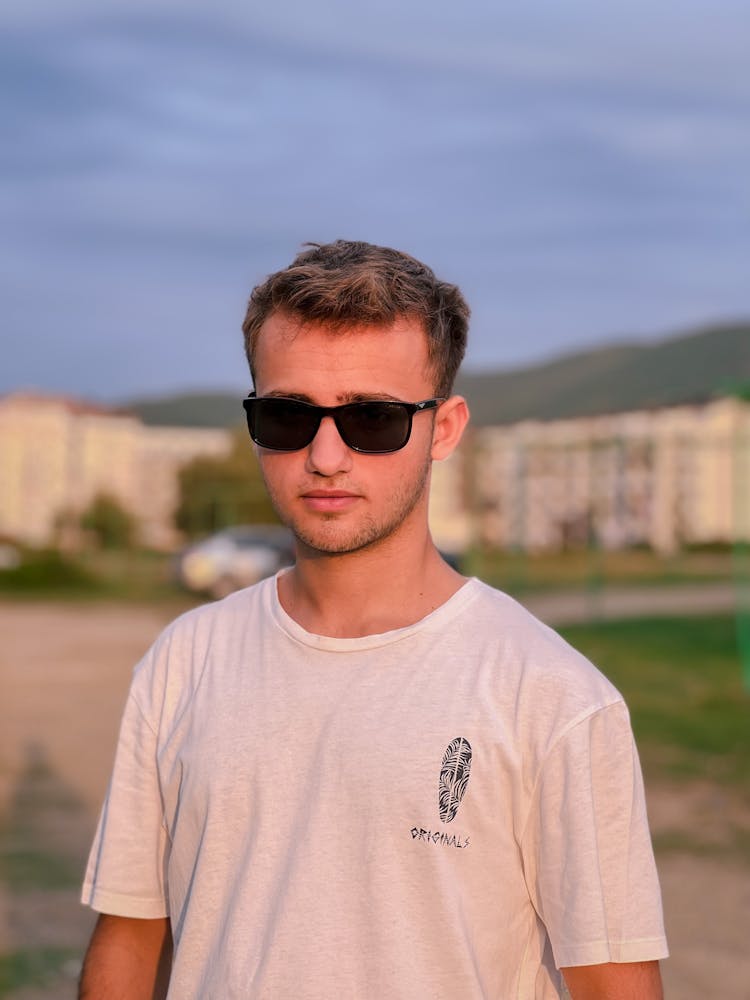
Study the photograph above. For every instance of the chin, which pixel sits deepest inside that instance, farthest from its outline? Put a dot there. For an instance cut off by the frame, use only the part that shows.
(340, 542)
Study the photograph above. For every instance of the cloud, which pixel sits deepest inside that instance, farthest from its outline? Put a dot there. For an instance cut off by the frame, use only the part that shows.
(567, 164)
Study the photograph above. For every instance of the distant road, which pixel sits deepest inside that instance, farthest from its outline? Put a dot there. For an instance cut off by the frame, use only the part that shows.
(569, 607)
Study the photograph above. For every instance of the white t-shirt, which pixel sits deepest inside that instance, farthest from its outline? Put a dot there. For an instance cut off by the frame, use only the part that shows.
(450, 810)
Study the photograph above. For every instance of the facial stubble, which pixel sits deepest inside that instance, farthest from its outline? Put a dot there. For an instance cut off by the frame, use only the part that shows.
(327, 535)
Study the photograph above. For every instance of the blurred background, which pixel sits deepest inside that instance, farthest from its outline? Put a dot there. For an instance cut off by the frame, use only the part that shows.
(581, 171)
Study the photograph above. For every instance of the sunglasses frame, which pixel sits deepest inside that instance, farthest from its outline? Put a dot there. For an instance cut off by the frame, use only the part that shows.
(333, 411)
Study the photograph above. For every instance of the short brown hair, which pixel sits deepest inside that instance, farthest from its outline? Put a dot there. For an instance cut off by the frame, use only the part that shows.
(349, 283)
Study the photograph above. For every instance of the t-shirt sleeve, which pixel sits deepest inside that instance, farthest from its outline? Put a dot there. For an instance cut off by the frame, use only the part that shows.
(587, 850)
(125, 872)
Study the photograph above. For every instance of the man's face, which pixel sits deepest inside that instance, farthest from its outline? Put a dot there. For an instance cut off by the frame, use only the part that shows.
(334, 499)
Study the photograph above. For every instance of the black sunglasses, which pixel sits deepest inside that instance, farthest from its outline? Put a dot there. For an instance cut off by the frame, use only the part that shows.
(372, 427)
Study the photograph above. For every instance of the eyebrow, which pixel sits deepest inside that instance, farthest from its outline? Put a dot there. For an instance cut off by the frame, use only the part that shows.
(342, 397)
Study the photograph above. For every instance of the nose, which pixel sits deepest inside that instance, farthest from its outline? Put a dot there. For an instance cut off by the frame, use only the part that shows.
(327, 454)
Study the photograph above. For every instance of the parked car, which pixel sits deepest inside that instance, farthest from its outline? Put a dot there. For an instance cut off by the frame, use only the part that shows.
(233, 558)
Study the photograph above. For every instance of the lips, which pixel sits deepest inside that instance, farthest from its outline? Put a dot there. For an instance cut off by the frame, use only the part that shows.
(329, 493)
(329, 501)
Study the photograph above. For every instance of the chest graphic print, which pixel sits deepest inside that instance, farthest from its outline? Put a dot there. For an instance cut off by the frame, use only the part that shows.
(454, 777)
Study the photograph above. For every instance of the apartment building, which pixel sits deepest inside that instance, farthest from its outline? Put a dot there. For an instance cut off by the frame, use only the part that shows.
(57, 454)
(662, 478)
(449, 511)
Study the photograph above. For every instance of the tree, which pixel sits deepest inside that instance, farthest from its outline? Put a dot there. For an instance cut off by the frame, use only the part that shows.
(111, 524)
(217, 493)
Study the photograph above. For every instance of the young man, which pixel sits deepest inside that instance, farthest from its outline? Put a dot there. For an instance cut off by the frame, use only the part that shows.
(368, 777)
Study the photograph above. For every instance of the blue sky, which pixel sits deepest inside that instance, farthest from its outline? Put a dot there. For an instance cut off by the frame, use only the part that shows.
(581, 170)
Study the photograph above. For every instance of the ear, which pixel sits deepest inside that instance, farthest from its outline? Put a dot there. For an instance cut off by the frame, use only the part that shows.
(451, 419)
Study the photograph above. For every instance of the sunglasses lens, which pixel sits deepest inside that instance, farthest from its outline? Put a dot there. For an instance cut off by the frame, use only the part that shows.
(281, 424)
(377, 428)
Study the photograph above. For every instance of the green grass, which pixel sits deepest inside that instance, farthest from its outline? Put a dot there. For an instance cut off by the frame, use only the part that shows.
(520, 572)
(682, 680)
(26, 868)
(48, 571)
(689, 840)
(32, 967)
(39, 831)
(147, 576)
(132, 575)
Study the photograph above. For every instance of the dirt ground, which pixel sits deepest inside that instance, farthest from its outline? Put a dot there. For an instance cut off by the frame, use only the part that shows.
(64, 672)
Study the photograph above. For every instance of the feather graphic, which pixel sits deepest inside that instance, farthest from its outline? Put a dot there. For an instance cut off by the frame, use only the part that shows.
(454, 777)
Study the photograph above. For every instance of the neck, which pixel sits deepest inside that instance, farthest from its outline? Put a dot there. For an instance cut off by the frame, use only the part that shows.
(367, 592)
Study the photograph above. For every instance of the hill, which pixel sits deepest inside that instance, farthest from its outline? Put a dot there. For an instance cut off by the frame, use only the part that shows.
(689, 368)
(190, 409)
(686, 369)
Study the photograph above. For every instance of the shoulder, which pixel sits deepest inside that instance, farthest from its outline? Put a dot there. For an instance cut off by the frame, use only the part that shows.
(552, 682)
(174, 664)
(205, 624)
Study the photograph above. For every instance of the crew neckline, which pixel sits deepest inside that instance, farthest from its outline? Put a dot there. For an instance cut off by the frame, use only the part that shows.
(437, 618)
